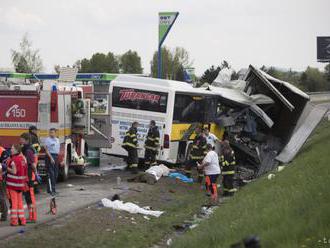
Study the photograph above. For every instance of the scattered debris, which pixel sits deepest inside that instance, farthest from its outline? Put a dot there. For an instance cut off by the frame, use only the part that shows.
(129, 207)
(280, 168)
(146, 217)
(69, 185)
(169, 242)
(92, 174)
(128, 188)
(271, 176)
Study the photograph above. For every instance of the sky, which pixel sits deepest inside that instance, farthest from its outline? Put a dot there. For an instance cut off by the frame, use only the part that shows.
(279, 33)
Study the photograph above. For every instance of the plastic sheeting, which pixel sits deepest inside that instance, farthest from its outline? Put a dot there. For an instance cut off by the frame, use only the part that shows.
(129, 207)
(181, 177)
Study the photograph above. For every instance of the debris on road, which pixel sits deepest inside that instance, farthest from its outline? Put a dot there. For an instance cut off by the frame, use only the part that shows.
(129, 207)
(92, 174)
(271, 176)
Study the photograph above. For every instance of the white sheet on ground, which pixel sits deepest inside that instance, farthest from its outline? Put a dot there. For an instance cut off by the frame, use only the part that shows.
(158, 171)
(129, 207)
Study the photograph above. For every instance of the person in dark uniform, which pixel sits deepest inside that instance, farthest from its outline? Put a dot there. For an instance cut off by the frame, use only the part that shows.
(197, 154)
(35, 143)
(130, 144)
(151, 145)
(228, 164)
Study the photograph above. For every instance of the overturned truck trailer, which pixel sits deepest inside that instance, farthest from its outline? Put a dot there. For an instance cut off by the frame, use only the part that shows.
(267, 122)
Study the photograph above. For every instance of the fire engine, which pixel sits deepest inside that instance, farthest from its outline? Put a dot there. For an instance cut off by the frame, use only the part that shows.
(52, 101)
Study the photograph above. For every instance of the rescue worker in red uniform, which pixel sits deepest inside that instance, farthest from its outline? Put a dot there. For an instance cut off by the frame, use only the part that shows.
(29, 195)
(130, 144)
(16, 183)
(228, 163)
(151, 145)
(3, 205)
(197, 154)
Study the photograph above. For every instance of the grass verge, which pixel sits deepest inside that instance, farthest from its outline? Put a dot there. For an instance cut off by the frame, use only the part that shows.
(291, 210)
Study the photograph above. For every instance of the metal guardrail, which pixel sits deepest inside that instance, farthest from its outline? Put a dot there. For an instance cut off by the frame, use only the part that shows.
(319, 96)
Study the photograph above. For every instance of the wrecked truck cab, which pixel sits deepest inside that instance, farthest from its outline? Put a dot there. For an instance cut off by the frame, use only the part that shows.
(263, 121)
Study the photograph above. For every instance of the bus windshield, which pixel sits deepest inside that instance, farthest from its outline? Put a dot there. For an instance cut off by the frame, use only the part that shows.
(194, 108)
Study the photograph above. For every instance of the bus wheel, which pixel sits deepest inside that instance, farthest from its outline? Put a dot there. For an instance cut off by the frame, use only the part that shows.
(79, 170)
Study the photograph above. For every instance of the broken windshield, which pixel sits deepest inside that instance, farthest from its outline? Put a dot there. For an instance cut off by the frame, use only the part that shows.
(194, 108)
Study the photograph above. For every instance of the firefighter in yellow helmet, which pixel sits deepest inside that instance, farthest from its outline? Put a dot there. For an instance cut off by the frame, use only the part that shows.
(130, 144)
(197, 154)
(228, 163)
(151, 145)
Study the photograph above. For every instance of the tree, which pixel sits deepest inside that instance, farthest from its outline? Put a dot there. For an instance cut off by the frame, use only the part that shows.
(130, 62)
(26, 60)
(313, 80)
(100, 63)
(327, 72)
(173, 63)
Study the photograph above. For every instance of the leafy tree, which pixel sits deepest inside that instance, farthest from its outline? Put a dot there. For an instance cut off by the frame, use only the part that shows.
(173, 63)
(130, 62)
(327, 72)
(100, 63)
(26, 60)
(313, 80)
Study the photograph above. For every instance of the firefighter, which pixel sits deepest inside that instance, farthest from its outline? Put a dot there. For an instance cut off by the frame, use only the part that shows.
(197, 153)
(33, 132)
(228, 163)
(29, 153)
(34, 139)
(151, 145)
(16, 183)
(130, 144)
(3, 205)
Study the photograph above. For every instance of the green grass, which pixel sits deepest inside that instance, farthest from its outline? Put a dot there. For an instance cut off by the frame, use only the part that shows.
(292, 210)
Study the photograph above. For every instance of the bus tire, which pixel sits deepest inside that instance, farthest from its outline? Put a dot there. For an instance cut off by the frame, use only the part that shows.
(79, 170)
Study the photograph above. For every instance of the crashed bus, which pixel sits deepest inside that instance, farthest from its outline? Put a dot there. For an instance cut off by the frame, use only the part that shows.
(266, 120)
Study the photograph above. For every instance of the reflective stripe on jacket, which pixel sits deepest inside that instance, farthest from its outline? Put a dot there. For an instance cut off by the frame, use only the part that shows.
(228, 163)
(17, 181)
(199, 148)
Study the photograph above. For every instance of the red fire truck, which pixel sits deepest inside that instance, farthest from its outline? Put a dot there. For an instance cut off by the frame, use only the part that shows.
(45, 102)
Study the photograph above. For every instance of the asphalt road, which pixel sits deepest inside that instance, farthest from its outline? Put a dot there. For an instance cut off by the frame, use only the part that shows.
(77, 192)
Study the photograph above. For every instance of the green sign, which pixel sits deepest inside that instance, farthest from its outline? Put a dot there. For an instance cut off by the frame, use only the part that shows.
(166, 20)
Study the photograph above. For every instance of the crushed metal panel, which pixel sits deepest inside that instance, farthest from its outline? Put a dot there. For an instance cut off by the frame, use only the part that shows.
(302, 133)
(269, 85)
(262, 115)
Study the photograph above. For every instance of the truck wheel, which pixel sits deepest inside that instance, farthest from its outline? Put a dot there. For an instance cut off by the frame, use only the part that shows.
(63, 173)
(79, 170)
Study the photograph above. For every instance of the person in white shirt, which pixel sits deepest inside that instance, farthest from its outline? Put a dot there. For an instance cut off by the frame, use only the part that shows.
(211, 167)
(52, 149)
(210, 138)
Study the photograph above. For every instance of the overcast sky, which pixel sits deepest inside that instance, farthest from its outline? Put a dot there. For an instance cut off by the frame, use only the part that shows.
(259, 32)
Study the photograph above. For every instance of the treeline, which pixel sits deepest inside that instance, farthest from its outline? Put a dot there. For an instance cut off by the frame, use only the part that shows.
(175, 61)
(129, 62)
(312, 79)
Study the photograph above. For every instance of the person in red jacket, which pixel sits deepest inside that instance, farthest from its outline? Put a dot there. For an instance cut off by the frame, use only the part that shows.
(16, 183)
